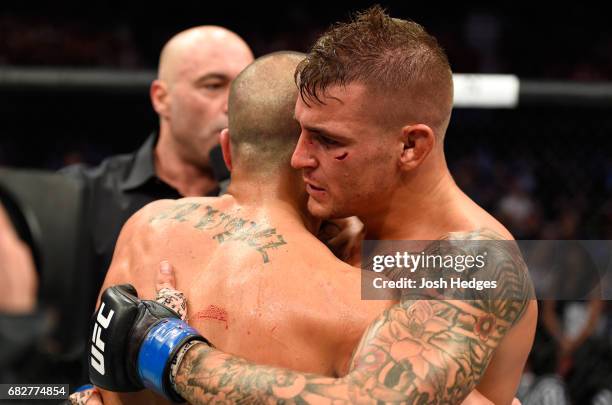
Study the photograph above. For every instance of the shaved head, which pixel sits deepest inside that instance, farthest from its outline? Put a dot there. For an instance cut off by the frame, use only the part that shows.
(262, 127)
(196, 68)
(197, 44)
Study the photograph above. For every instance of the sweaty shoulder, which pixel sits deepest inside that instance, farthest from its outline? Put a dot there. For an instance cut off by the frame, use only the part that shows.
(502, 263)
(511, 304)
(136, 237)
(170, 209)
(481, 222)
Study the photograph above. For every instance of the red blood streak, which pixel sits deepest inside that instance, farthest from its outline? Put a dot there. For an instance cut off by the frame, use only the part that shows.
(213, 312)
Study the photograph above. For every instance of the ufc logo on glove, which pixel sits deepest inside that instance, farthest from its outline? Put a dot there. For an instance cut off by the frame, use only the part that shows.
(134, 342)
(97, 349)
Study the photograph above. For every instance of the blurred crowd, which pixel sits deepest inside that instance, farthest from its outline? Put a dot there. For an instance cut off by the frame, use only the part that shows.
(572, 42)
(550, 182)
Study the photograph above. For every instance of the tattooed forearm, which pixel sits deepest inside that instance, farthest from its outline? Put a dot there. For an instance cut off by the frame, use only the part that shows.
(417, 352)
(206, 375)
(424, 352)
(225, 227)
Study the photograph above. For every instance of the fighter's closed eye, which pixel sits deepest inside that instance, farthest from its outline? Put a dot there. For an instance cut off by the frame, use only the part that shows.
(328, 142)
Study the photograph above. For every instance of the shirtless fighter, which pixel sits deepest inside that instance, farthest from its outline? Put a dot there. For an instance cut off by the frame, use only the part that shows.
(259, 284)
(375, 102)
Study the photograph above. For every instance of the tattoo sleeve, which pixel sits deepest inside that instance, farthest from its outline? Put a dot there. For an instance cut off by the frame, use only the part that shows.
(418, 352)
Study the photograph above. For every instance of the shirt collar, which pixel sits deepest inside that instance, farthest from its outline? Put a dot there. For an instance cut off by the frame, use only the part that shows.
(143, 168)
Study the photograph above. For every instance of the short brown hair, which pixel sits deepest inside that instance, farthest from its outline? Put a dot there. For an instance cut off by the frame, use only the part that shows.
(389, 55)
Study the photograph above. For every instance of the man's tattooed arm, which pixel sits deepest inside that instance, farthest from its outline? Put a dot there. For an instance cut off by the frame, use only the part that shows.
(419, 351)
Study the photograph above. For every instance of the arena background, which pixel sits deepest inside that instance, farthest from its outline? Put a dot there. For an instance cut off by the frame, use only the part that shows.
(544, 169)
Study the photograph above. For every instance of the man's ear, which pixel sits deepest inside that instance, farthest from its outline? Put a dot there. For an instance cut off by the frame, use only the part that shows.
(226, 148)
(159, 98)
(418, 140)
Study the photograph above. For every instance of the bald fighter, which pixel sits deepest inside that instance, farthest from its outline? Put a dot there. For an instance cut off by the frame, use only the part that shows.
(375, 102)
(259, 284)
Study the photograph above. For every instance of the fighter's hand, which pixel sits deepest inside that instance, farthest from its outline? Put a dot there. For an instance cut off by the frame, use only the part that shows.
(17, 271)
(476, 398)
(134, 342)
(167, 294)
(343, 237)
(90, 396)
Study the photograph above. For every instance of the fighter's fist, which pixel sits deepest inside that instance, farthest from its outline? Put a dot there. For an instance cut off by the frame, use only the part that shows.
(133, 343)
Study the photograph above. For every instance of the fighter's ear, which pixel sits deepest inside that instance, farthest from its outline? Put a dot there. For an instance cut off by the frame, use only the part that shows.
(159, 97)
(418, 140)
(226, 148)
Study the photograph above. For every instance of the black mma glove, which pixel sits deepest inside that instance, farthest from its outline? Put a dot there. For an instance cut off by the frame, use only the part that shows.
(134, 342)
